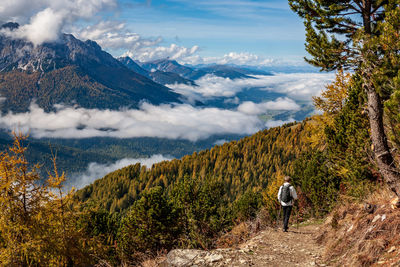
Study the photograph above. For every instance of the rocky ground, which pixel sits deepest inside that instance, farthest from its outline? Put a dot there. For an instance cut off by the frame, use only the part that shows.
(271, 247)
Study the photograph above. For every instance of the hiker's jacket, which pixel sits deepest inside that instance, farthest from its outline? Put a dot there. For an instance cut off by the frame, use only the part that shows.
(292, 193)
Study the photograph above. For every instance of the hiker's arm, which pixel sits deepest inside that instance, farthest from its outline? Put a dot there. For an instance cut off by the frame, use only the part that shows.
(279, 193)
(294, 194)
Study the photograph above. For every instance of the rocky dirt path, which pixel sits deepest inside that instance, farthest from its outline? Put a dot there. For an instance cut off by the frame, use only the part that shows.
(270, 247)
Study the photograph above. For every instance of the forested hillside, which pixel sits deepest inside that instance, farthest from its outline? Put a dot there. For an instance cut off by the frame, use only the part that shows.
(246, 164)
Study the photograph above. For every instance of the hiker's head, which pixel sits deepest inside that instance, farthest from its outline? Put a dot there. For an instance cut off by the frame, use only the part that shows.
(287, 179)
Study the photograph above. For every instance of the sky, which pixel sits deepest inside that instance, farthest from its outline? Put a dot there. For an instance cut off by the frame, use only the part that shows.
(243, 32)
(265, 28)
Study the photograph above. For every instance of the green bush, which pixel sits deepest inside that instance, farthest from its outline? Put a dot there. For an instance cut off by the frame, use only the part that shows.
(247, 206)
(149, 226)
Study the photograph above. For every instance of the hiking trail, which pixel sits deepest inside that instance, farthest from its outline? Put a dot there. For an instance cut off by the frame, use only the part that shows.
(270, 247)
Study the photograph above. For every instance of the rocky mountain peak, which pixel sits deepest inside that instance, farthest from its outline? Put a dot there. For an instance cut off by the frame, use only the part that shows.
(10, 25)
(23, 55)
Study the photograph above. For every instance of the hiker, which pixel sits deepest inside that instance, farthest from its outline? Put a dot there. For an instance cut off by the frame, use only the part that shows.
(286, 195)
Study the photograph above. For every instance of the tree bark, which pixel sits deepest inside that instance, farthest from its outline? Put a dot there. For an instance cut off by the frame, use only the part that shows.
(383, 156)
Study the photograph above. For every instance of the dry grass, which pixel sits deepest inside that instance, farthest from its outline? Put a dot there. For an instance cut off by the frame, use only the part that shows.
(236, 236)
(356, 236)
(153, 262)
(244, 230)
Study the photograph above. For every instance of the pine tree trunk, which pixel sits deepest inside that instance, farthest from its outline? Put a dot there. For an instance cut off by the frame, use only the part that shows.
(383, 157)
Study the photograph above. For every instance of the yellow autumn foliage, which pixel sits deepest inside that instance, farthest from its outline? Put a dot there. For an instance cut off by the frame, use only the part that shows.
(37, 220)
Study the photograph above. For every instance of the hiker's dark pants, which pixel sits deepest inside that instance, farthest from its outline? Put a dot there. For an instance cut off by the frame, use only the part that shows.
(286, 214)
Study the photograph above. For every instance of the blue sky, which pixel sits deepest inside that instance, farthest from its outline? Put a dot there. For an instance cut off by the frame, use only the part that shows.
(266, 28)
(244, 32)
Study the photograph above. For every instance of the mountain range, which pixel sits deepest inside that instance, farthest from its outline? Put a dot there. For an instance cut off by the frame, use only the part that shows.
(224, 71)
(71, 72)
(158, 76)
(75, 72)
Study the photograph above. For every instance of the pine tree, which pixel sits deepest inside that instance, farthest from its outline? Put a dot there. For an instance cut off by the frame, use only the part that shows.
(354, 28)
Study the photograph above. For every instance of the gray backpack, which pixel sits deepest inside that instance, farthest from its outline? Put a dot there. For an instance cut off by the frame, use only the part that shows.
(286, 195)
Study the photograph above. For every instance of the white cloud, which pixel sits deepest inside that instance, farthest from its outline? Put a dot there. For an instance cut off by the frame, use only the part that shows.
(220, 142)
(298, 86)
(95, 170)
(47, 17)
(242, 58)
(114, 35)
(165, 121)
(210, 86)
(173, 52)
(271, 124)
(252, 108)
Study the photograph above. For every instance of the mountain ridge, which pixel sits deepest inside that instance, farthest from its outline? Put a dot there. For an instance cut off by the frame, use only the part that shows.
(89, 76)
(158, 76)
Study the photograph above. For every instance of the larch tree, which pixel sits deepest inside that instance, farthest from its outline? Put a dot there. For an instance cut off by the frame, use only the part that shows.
(344, 34)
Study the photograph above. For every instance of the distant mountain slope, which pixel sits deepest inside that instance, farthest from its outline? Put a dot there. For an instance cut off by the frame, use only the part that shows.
(71, 72)
(164, 78)
(232, 72)
(69, 159)
(167, 65)
(225, 71)
(132, 65)
(161, 77)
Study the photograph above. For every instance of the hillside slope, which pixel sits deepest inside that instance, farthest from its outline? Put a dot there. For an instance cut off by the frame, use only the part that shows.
(240, 165)
(69, 159)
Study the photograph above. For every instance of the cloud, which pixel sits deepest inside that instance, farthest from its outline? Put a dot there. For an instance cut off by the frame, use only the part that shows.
(164, 121)
(173, 52)
(220, 142)
(115, 35)
(271, 124)
(252, 108)
(47, 19)
(298, 86)
(43, 20)
(242, 58)
(95, 170)
(210, 86)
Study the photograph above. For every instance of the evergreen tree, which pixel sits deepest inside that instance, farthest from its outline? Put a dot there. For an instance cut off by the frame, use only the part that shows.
(353, 25)
(149, 226)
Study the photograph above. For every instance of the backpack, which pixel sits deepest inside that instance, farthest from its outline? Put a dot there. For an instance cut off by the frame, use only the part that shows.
(286, 195)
